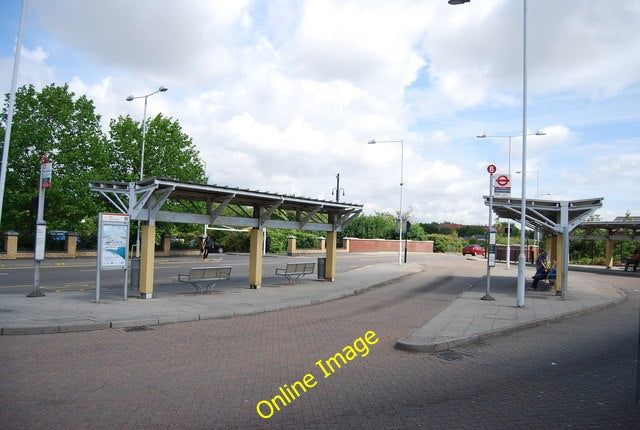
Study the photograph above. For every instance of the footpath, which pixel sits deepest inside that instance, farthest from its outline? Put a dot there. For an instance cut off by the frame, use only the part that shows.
(467, 319)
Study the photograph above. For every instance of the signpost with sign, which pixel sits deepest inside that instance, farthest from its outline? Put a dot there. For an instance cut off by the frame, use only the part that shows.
(491, 242)
(46, 169)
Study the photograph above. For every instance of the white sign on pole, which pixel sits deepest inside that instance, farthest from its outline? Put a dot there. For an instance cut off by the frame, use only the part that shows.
(502, 185)
(41, 236)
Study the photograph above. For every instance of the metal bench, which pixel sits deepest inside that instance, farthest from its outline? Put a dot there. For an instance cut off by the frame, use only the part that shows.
(295, 271)
(205, 278)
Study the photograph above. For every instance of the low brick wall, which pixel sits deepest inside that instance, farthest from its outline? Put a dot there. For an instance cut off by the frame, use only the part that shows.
(378, 245)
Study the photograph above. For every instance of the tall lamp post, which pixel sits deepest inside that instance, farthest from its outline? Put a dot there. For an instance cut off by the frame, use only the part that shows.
(510, 136)
(144, 134)
(523, 217)
(524, 178)
(401, 142)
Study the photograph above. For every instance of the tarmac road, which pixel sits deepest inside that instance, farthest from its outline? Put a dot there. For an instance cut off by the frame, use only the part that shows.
(576, 373)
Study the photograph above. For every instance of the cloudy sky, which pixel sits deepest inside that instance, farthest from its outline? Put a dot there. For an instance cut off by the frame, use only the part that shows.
(282, 95)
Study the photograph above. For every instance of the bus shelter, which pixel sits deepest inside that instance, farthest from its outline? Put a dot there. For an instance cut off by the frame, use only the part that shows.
(147, 201)
(621, 229)
(555, 219)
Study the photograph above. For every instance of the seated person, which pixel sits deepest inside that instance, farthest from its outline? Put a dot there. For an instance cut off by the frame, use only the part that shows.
(634, 259)
(542, 269)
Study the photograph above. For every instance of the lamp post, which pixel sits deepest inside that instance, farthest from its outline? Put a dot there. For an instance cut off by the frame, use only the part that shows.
(373, 142)
(337, 189)
(510, 136)
(524, 178)
(144, 134)
(521, 258)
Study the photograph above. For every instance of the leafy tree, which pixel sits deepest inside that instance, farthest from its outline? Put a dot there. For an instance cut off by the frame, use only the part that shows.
(168, 152)
(416, 232)
(54, 122)
(378, 226)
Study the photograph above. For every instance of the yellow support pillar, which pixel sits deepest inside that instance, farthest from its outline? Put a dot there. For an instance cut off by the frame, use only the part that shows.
(330, 266)
(609, 247)
(557, 256)
(255, 258)
(147, 254)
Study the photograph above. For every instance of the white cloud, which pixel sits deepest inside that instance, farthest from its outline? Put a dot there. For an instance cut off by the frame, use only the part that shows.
(282, 95)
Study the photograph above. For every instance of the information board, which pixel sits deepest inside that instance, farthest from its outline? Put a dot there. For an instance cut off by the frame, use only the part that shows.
(113, 241)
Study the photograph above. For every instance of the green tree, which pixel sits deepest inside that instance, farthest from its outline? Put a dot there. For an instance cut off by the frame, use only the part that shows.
(378, 226)
(66, 128)
(168, 152)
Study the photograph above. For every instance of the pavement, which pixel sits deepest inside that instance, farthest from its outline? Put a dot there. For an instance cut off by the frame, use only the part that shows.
(467, 319)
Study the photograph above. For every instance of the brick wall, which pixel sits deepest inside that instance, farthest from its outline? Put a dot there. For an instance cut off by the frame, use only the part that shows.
(378, 245)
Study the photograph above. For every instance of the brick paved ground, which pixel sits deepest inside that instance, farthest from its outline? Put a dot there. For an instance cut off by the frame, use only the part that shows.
(579, 373)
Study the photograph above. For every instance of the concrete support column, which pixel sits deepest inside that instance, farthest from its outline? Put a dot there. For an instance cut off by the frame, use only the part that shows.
(322, 243)
(11, 244)
(147, 254)
(255, 258)
(608, 253)
(330, 267)
(291, 245)
(71, 244)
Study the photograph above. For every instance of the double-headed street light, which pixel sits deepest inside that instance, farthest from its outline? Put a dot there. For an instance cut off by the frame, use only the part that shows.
(144, 134)
(144, 123)
(401, 142)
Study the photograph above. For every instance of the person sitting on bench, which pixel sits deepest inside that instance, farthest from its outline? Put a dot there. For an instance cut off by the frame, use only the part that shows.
(542, 269)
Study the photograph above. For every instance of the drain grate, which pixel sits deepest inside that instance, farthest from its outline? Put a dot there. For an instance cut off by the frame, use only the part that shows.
(137, 328)
(452, 355)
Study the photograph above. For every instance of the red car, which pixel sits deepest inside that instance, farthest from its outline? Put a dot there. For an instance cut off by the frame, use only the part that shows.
(473, 249)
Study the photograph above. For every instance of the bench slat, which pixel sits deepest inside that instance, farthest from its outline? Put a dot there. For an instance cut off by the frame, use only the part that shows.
(295, 271)
(205, 275)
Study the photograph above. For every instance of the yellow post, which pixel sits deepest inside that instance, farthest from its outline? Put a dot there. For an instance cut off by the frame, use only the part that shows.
(147, 251)
(11, 244)
(255, 258)
(70, 244)
(322, 243)
(608, 259)
(166, 246)
(558, 256)
(291, 245)
(330, 266)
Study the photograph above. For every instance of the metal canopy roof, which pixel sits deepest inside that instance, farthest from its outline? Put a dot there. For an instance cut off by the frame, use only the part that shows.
(549, 216)
(615, 230)
(143, 200)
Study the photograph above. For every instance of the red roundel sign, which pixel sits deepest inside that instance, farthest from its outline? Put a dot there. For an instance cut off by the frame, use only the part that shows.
(491, 168)
(502, 180)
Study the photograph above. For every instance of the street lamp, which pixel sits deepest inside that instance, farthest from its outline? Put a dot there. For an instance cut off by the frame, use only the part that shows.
(521, 257)
(484, 136)
(373, 142)
(144, 134)
(144, 123)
